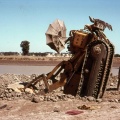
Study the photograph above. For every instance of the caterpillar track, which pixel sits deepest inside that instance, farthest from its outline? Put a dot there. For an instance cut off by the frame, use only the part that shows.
(98, 77)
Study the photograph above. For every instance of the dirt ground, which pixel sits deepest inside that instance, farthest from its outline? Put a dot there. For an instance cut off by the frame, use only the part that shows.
(107, 109)
(72, 108)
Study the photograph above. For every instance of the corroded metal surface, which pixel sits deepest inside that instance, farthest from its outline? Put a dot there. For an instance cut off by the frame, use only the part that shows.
(87, 72)
(102, 71)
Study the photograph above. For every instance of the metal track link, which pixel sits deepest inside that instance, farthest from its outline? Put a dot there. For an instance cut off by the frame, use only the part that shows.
(107, 69)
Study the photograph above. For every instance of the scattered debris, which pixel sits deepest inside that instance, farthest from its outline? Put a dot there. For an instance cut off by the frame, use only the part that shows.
(86, 107)
(56, 109)
(36, 99)
(74, 112)
(17, 87)
(11, 87)
(98, 100)
(113, 107)
(3, 106)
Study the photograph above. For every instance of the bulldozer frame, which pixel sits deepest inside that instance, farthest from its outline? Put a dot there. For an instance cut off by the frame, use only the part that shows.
(87, 72)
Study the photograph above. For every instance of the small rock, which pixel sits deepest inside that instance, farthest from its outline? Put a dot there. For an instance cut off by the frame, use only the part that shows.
(36, 99)
(78, 97)
(83, 99)
(104, 100)
(54, 99)
(3, 106)
(28, 90)
(45, 98)
(70, 96)
(10, 90)
(116, 100)
(56, 109)
(90, 98)
(9, 99)
(6, 91)
(99, 100)
(36, 91)
(17, 94)
(111, 84)
(8, 95)
(16, 87)
(41, 98)
(113, 107)
(111, 100)
(61, 96)
(2, 95)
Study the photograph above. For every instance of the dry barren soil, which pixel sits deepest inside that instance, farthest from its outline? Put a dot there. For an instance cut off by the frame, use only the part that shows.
(55, 105)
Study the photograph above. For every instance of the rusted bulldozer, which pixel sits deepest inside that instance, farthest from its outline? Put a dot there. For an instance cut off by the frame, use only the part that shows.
(86, 73)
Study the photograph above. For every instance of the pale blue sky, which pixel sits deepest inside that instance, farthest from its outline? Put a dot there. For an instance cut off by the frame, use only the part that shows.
(29, 19)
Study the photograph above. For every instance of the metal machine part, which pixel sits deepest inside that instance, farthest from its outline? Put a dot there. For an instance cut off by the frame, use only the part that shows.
(56, 35)
(86, 73)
